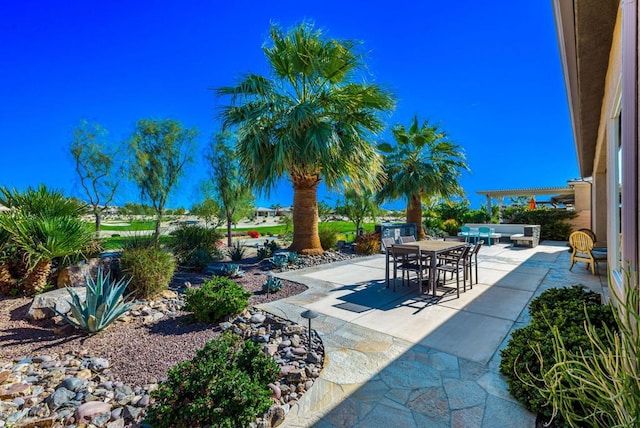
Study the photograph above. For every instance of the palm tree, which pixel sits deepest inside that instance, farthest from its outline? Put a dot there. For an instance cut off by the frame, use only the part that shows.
(422, 164)
(310, 122)
(40, 240)
(41, 226)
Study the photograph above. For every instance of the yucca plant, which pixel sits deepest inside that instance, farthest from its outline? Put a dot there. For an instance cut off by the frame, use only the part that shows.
(102, 304)
(236, 252)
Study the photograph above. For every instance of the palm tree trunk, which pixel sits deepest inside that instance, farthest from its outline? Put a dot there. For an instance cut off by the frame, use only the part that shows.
(305, 215)
(36, 280)
(414, 214)
(6, 280)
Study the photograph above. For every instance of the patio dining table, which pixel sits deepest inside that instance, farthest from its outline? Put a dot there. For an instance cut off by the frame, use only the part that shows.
(430, 248)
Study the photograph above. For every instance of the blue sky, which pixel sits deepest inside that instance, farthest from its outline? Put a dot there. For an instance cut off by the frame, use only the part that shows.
(487, 72)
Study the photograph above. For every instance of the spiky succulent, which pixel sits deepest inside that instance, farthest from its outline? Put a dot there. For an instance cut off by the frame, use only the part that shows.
(272, 285)
(102, 303)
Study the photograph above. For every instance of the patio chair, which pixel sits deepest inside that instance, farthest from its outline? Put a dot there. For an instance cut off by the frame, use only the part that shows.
(407, 260)
(582, 251)
(456, 264)
(485, 233)
(464, 231)
(472, 260)
(407, 239)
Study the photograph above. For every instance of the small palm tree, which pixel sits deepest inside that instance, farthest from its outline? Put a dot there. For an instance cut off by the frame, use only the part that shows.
(41, 226)
(40, 240)
(422, 164)
(311, 122)
(42, 202)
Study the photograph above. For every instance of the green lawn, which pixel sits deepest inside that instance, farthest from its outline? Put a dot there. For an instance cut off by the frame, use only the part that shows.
(346, 228)
(135, 225)
(339, 226)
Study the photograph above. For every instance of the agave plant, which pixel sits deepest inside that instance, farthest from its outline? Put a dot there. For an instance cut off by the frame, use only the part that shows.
(280, 261)
(272, 285)
(232, 270)
(102, 304)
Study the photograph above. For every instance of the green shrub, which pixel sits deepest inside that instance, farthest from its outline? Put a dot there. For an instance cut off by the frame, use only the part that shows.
(224, 385)
(215, 299)
(600, 387)
(150, 270)
(236, 252)
(552, 221)
(328, 238)
(101, 306)
(451, 226)
(195, 246)
(368, 243)
(566, 308)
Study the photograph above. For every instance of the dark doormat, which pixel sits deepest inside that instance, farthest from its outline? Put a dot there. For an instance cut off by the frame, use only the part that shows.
(353, 307)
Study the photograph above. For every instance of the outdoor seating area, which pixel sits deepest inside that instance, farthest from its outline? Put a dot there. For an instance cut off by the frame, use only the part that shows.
(474, 234)
(430, 261)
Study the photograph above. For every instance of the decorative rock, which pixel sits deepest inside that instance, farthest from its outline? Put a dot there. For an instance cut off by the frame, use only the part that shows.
(131, 412)
(84, 374)
(98, 364)
(14, 390)
(59, 398)
(4, 375)
(299, 351)
(313, 358)
(275, 416)
(43, 304)
(144, 401)
(277, 392)
(88, 411)
(37, 423)
(42, 359)
(118, 423)
(73, 383)
(116, 413)
(257, 318)
(296, 375)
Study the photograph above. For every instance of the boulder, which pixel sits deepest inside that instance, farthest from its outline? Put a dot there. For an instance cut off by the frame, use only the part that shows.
(43, 304)
(74, 276)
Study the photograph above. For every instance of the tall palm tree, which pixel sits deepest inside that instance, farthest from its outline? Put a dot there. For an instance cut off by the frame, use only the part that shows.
(422, 164)
(311, 121)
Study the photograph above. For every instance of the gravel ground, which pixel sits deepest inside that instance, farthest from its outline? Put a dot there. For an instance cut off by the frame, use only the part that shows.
(139, 353)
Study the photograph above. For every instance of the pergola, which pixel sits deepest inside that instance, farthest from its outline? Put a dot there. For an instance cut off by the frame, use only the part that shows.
(535, 191)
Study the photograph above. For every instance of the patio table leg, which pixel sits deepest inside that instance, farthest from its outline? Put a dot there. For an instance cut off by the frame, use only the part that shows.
(386, 269)
(433, 280)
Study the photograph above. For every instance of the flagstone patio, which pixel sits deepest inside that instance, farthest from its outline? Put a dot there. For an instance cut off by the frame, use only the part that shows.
(404, 359)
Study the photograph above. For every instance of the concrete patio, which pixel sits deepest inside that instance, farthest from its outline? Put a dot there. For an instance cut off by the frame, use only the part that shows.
(401, 359)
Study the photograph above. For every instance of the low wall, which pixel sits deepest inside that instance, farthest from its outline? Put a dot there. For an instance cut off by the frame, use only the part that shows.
(505, 229)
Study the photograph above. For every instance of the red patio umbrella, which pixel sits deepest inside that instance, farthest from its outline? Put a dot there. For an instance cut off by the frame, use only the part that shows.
(532, 204)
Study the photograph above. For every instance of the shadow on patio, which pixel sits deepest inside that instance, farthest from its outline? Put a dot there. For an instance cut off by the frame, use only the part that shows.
(402, 359)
